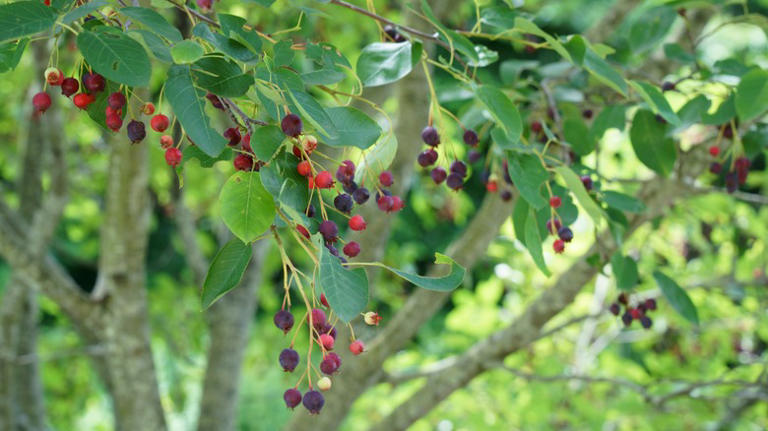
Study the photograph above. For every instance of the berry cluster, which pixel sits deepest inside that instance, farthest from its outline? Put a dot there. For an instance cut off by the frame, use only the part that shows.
(633, 310)
(323, 335)
(555, 226)
(739, 166)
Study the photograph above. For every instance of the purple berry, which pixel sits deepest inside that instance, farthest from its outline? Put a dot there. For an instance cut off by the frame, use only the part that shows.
(284, 320)
(289, 359)
(626, 318)
(292, 398)
(565, 234)
(345, 172)
(438, 175)
(473, 156)
(361, 195)
(454, 181)
(470, 138)
(330, 364)
(291, 125)
(553, 229)
(136, 131)
(430, 136)
(310, 212)
(318, 318)
(313, 401)
(650, 304)
(646, 322)
(615, 309)
(715, 168)
(458, 167)
(506, 195)
(667, 86)
(427, 158)
(349, 187)
(587, 182)
(328, 230)
(343, 203)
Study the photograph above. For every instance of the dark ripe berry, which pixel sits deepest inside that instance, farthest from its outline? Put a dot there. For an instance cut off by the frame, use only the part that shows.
(292, 398)
(454, 181)
(357, 223)
(558, 246)
(623, 299)
(392, 33)
(330, 364)
(82, 100)
(660, 119)
(626, 318)
(427, 158)
(565, 234)
(69, 86)
(458, 167)
(650, 304)
(385, 203)
(586, 181)
(397, 203)
(303, 231)
(646, 322)
(304, 168)
(41, 101)
(715, 168)
(438, 175)
(714, 151)
(116, 100)
(507, 178)
(731, 182)
(349, 187)
(430, 136)
(328, 230)
(114, 122)
(291, 125)
(361, 195)
(318, 318)
(615, 309)
(506, 195)
(587, 113)
(324, 180)
(470, 138)
(284, 320)
(330, 330)
(536, 127)
(343, 203)
(741, 164)
(173, 156)
(491, 186)
(555, 202)
(232, 134)
(310, 212)
(682, 12)
(324, 300)
(136, 131)
(473, 156)
(289, 359)
(553, 227)
(166, 142)
(326, 341)
(642, 308)
(667, 86)
(345, 173)
(386, 179)
(159, 123)
(243, 162)
(313, 401)
(215, 101)
(727, 131)
(93, 82)
(635, 313)
(148, 108)
(357, 347)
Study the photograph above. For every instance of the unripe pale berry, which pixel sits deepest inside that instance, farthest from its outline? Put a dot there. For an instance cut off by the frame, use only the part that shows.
(324, 383)
(41, 101)
(372, 318)
(173, 156)
(351, 249)
(357, 347)
(159, 123)
(357, 223)
(53, 76)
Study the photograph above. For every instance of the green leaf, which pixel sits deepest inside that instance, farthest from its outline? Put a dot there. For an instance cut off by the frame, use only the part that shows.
(439, 284)
(194, 152)
(577, 134)
(650, 28)
(153, 21)
(377, 158)
(623, 202)
(345, 289)
(186, 52)
(457, 41)
(655, 100)
(650, 143)
(527, 26)
(752, 95)
(382, 63)
(285, 184)
(604, 72)
(519, 217)
(265, 141)
(677, 297)
(674, 51)
(226, 45)
(502, 109)
(188, 103)
(350, 128)
(533, 242)
(232, 26)
(115, 55)
(692, 112)
(81, 11)
(574, 184)
(156, 45)
(612, 116)
(226, 271)
(221, 76)
(311, 110)
(724, 112)
(625, 270)
(24, 18)
(528, 175)
(10, 54)
(246, 206)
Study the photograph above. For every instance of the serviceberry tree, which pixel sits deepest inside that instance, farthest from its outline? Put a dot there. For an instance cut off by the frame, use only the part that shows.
(584, 140)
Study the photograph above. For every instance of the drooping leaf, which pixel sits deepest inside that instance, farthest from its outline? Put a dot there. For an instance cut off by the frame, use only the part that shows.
(441, 284)
(226, 45)
(752, 95)
(527, 26)
(677, 297)
(226, 271)
(232, 26)
(186, 52)
(156, 45)
(655, 100)
(528, 175)
(24, 18)
(382, 63)
(377, 158)
(624, 268)
(533, 242)
(502, 109)
(652, 147)
(115, 55)
(351, 128)
(650, 28)
(154, 21)
(247, 208)
(345, 289)
(623, 202)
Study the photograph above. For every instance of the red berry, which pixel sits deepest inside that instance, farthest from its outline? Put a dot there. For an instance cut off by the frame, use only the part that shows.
(536, 127)
(41, 101)
(166, 142)
(159, 123)
(351, 249)
(385, 203)
(553, 228)
(82, 100)
(302, 230)
(324, 180)
(114, 122)
(173, 156)
(357, 223)
(714, 151)
(555, 202)
(357, 347)
(148, 108)
(109, 111)
(93, 82)
(246, 144)
(324, 300)
(205, 5)
(304, 168)
(385, 178)
(318, 318)
(69, 86)
(491, 186)
(233, 135)
(53, 76)
(635, 313)
(243, 162)
(116, 100)
(558, 246)
(397, 203)
(291, 125)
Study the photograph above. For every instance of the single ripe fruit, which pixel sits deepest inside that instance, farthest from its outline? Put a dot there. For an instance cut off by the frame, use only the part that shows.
(204, 5)
(318, 318)
(615, 309)
(623, 298)
(430, 136)
(470, 138)
(330, 363)
(553, 227)
(215, 101)
(326, 341)
(372, 318)
(148, 108)
(667, 86)
(357, 347)
(173, 156)
(136, 131)
(69, 86)
(324, 300)
(232, 134)
(626, 318)
(587, 113)
(636, 313)
(159, 123)
(114, 122)
(343, 203)
(116, 100)
(93, 82)
(292, 398)
(41, 101)
(243, 162)
(646, 322)
(714, 151)
(427, 158)
(492, 186)
(438, 175)
(565, 234)
(82, 100)
(361, 195)
(558, 246)
(351, 249)
(324, 384)
(458, 167)
(506, 195)
(586, 181)
(555, 202)
(397, 203)
(289, 359)
(313, 401)
(455, 181)
(386, 179)
(357, 223)
(474, 156)
(328, 230)
(53, 76)
(291, 125)
(536, 127)
(166, 142)
(345, 173)
(323, 180)
(385, 203)
(284, 320)
(650, 304)
(715, 168)
(304, 168)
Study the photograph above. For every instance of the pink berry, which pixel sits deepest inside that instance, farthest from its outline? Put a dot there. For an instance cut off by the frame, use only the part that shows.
(327, 341)
(173, 156)
(357, 347)
(357, 223)
(385, 178)
(41, 101)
